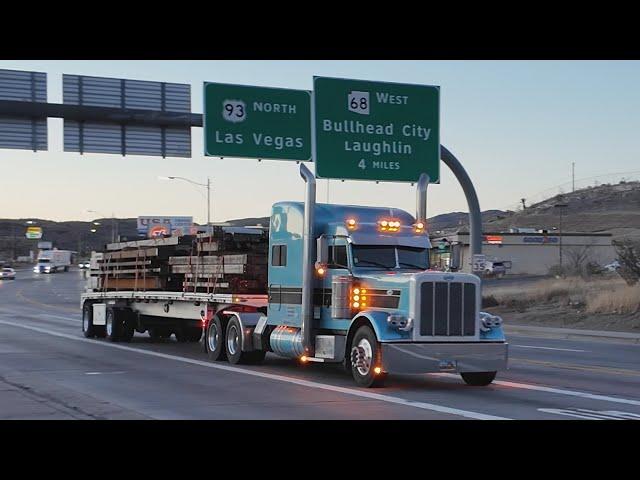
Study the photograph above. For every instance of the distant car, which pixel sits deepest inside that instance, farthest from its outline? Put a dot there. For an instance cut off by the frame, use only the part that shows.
(7, 274)
(613, 266)
(84, 265)
(496, 269)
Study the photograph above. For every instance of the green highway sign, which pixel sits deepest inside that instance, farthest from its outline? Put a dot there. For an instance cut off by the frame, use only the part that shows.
(376, 130)
(257, 122)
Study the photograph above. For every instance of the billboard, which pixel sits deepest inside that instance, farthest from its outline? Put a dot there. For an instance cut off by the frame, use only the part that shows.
(153, 226)
(34, 233)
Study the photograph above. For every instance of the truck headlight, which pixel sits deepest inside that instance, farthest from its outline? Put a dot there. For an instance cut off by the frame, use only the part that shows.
(400, 322)
(488, 321)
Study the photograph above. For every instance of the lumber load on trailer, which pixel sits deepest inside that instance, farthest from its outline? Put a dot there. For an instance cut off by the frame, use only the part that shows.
(226, 260)
(141, 264)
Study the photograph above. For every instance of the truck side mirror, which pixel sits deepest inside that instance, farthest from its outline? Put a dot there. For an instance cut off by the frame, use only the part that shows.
(322, 250)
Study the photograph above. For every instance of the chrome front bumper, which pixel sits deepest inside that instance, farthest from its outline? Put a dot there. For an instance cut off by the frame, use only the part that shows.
(444, 357)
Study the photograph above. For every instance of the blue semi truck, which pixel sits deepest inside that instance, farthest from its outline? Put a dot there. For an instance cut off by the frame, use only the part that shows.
(346, 284)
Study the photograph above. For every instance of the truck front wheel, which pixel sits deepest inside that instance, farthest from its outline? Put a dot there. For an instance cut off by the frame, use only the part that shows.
(365, 358)
(478, 379)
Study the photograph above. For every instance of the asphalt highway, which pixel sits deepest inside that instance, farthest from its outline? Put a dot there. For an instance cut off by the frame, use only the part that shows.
(48, 370)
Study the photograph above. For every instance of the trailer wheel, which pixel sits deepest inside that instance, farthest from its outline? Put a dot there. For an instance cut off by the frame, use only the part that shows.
(478, 379)
(214, 340)
(233, 346)
(365, 357)
(87, 321)
(114, 325)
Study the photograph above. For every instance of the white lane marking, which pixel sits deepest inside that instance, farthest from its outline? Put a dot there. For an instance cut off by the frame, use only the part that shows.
(103, 373)
(271, 376)
(550, 348)
(592, 414)
(540, 388)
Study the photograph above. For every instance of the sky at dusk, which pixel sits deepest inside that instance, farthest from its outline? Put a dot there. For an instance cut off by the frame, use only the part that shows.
(516, 126)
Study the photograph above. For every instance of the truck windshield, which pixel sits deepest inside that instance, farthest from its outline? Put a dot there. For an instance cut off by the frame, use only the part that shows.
(44, 260)
(385, 257)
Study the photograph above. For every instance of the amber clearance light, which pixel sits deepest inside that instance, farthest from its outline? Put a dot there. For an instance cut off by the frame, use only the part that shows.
(388, 225)
(358, 298)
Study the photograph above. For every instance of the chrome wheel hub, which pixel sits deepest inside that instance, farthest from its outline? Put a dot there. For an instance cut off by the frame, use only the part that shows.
(232, 340)
(362, 356)
(213, 337)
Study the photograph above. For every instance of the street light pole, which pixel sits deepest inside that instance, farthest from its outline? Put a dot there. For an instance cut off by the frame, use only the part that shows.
(113, 223)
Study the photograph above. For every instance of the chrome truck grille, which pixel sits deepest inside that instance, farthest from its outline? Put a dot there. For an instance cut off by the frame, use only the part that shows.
(447, 309)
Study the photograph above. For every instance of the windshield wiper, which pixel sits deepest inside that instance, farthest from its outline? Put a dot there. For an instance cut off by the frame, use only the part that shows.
(419, 267)
(375, 264)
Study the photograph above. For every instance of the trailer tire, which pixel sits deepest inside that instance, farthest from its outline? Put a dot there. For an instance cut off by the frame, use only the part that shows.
(233, 345)
(214, 340)
(88, 329)
(366, 346)
(114, 325)
(478, 379)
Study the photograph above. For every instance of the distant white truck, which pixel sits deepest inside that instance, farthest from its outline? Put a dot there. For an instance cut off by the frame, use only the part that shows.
(496, 268)
(52, 261)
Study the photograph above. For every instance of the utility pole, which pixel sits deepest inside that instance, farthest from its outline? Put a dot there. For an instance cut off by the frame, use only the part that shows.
(573, 176)
(206, 185)
(560, 207)
(523, 203)
(208, 204)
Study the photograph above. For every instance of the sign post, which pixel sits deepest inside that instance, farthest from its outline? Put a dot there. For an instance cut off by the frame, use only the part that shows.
(376, 130)
(257, 122)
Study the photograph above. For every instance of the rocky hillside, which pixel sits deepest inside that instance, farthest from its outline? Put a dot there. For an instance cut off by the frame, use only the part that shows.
(605, 208)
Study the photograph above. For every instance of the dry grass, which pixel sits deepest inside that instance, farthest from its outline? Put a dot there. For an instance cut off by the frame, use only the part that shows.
(622, 300)
(602, 295)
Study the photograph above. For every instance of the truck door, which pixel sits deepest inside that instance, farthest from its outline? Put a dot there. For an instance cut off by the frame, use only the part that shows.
(338, 264)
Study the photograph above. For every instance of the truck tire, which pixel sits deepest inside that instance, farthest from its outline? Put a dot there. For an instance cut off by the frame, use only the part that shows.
(364, 357)
(478, 379)
(88, 330)
(114, 325)
(214, 340)
(66, 269)
(233, 346)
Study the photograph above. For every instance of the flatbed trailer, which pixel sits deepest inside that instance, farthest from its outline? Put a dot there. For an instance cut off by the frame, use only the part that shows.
(117, 315)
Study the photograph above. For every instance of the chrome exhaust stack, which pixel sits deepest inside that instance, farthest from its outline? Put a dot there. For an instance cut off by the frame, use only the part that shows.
(308, 258)
(421, 198)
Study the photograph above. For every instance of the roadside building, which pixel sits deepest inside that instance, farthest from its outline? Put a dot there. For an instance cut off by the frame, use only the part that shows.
(528, 253)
